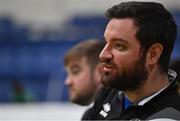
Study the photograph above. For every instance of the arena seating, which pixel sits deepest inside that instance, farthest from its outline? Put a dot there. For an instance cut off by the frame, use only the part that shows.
(38, 64)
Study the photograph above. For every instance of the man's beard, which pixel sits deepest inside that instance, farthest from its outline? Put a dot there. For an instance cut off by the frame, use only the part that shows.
(84, 97)
(80, 100)
(128, 78)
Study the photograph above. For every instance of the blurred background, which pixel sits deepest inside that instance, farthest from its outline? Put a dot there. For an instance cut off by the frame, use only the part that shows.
(34, 36)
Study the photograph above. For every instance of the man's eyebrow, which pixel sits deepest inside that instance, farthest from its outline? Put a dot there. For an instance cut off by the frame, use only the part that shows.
(117, 39)
(120, 40)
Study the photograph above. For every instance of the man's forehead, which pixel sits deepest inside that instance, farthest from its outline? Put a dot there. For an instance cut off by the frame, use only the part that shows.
(77, 61)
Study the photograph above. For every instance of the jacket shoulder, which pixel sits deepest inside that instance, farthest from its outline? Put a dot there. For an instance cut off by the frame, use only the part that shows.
(167, 113)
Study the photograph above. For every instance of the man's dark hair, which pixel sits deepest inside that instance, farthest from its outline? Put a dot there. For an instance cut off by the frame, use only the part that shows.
(155, 25)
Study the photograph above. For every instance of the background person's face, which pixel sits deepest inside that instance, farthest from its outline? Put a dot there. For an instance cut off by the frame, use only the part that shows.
(80, 81)
(123, 63)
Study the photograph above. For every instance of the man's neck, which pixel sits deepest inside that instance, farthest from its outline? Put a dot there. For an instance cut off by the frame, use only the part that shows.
(155, 82)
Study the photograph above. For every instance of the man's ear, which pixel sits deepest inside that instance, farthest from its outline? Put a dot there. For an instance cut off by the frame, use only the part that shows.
(154, 53)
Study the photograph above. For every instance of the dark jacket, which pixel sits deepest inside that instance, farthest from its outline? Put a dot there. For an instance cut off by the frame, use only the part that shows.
(109, 105)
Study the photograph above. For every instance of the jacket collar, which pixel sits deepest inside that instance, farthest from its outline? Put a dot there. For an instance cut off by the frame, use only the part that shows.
(171, 75)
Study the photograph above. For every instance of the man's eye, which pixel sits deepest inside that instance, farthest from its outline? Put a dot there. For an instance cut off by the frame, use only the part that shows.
(75, 70)
(120, 46)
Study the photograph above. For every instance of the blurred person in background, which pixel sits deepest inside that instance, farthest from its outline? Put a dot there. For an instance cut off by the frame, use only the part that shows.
(21, 94)
(175, 65)
(135, 61)
(82, 66)
(18, 91)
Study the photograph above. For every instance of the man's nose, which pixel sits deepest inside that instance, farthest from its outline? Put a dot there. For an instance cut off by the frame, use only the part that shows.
(105, 53)
(68, 81)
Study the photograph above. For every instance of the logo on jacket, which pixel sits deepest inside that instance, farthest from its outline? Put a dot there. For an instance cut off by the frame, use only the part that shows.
(106, 109)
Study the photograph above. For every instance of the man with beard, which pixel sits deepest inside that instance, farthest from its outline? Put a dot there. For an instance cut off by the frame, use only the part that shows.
(139, 40)
(83, 71)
